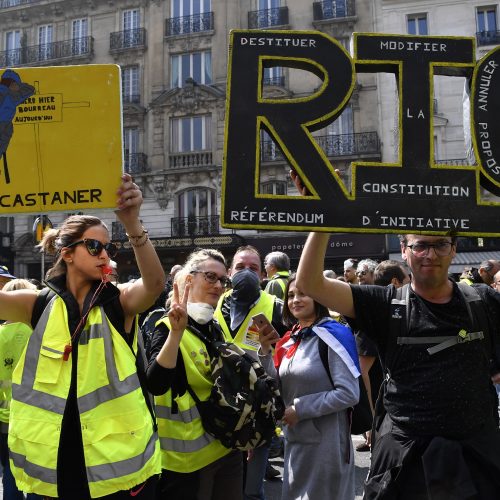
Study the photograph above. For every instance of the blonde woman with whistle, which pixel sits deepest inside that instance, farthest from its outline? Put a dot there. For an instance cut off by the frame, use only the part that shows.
(81, 425)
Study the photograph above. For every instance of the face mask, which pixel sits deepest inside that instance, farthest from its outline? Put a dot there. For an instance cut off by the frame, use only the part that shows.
(202, 313)
(246, 284)
(246, 291)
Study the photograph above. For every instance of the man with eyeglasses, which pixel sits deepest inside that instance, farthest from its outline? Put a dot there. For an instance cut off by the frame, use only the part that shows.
(234, 313)
(436, 427)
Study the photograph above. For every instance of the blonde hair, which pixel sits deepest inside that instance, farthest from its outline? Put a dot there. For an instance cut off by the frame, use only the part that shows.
(71, 230)
(193, 262)
(18, 284)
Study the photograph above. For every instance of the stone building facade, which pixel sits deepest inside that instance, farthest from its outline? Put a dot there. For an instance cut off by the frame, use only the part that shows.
(173, 55)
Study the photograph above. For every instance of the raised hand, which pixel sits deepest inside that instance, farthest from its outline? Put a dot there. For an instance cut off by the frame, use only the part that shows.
(129, 200)
(177, 314)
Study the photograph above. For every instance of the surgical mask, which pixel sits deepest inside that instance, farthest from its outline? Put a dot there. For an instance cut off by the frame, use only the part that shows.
(202, 313)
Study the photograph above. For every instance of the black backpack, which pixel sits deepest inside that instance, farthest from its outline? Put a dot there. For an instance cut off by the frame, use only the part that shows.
(245, 403)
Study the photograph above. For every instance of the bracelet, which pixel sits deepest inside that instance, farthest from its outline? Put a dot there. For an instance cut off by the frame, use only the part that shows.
(136, 244)
(136, 238)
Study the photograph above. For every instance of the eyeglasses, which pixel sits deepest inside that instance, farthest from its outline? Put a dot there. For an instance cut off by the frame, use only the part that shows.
(361, 273)
(441, 249)
(212, 278)
(95, 247)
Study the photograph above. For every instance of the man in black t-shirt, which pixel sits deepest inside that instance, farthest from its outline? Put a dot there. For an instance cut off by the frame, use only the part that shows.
(437, 434)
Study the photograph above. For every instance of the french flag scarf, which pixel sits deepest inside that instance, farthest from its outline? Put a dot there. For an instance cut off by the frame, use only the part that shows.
(337, 336)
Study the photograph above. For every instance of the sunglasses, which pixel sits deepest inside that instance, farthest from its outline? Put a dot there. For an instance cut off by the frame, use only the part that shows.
(95, 247)
(212, 278)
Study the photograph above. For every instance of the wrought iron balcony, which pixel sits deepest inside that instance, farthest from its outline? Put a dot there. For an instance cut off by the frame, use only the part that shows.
(118, 232)
(131, 98)
(136, 163)
(191, 159)
(488, 37)
(128, 39)
(457, 162)
(66, 49)
(197, 23)
(266, 18)
(274, 80)
(333, 9)
(5, 4)
(194, 226)
(363, 143)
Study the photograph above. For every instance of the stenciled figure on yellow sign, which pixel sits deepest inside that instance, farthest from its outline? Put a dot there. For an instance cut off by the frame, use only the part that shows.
(12, 93)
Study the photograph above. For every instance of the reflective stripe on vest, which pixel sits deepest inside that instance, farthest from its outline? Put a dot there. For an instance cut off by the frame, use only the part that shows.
(114, 417)
(185, 446)
(264, 305)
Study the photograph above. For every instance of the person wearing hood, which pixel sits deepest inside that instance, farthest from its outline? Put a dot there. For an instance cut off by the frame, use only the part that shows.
(195, 465)
(234, 313)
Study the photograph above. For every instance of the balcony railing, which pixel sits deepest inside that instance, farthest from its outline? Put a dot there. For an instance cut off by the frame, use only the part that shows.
(5, 4)
(350, 144)
(333, 9)
(457, 162)
(274, 80)
(66, 49)
(118, 232)
(266, 18)
(128, 39)
(195, 226)
(191, 159)
(197, 23)
(333, 145)
(131, 98)
(488, 37)
(136, 163)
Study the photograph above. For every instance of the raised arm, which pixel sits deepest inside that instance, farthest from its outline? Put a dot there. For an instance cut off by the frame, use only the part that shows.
(139, 295)
(17, 305)
(334, 294)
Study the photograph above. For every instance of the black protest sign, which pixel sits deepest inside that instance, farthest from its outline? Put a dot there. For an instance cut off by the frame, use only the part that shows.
(485, 119)
(412, 195)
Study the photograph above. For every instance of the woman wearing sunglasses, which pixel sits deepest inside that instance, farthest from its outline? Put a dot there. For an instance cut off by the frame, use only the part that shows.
(81, 425)
(195, 465)
(317, 365)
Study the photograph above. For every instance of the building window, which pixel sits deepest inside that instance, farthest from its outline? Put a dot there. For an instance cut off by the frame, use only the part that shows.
(487, 26)
(130, 84)
(191, 134)
(79, 31)
(181, 8)
(196, 65)
(130, 147)
(13, 48)
(274, 76)
(197, 202)
(273, 187)
(417, 24)
(45, 42)
(131, 19)
(340, 137)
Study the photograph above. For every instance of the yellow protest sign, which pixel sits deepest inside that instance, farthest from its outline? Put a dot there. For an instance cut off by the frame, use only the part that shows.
(60, 138)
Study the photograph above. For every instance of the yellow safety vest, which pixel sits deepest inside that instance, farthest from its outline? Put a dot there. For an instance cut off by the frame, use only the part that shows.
(13, 339)
(120, 446)
(245, 337)
(281, 278)
(185, 446)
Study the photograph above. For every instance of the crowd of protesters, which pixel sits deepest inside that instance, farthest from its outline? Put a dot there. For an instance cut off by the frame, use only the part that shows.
(97, 377)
